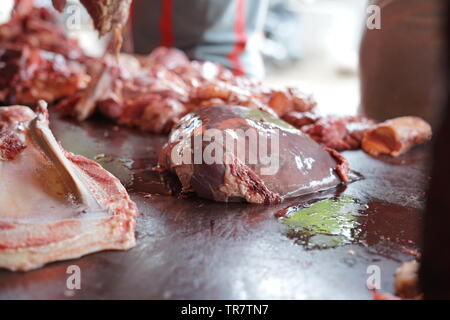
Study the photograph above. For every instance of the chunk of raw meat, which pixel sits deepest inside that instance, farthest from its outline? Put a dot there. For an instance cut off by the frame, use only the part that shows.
(38, 28)
(336, 132)
(267, 160)
(28, 75)
(54, 205)
(396, 136)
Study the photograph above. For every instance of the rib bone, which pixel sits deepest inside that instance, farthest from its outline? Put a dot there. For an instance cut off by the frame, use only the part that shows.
(41, 136)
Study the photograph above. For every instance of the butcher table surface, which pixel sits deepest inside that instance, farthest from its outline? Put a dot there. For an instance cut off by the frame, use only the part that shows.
(198, 249)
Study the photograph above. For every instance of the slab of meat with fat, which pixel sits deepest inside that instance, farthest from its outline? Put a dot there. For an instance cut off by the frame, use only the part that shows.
(54, 205)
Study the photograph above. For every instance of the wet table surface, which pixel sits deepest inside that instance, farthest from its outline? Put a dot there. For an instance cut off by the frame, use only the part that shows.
(198, 249)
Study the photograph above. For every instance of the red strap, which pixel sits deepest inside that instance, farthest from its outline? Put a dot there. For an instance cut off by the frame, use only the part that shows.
(240, 37)
(165, 23)
(132, 6)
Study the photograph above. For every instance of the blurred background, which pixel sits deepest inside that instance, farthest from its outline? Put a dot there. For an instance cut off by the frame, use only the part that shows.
(312, 44)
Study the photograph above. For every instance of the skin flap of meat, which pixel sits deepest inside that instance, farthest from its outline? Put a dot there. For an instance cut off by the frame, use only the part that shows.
(54, 205)
(396, 136)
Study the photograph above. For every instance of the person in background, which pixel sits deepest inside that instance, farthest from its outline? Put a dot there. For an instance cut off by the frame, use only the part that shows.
(401, 63)
(229, 32)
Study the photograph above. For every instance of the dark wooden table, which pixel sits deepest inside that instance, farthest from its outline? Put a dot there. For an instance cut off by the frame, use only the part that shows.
(197, 249)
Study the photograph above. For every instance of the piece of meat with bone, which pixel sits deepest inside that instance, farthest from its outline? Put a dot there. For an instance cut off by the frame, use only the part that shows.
(38, 28)
(233, 153)
(54, 205)
(28, 75)
(396, 136)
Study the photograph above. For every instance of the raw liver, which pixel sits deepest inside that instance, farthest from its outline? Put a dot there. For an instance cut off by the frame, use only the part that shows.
(298, 164)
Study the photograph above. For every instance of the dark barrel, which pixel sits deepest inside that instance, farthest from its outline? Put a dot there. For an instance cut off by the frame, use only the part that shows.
(401, 63)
